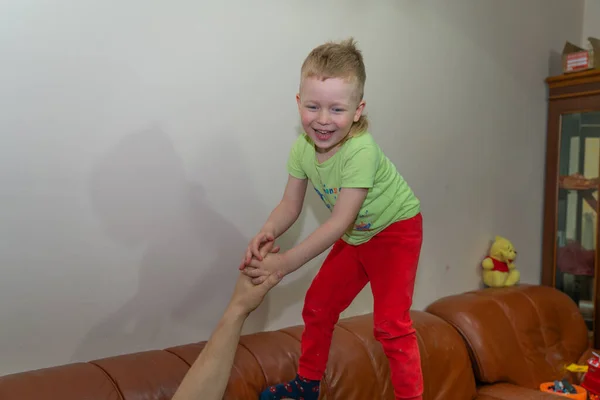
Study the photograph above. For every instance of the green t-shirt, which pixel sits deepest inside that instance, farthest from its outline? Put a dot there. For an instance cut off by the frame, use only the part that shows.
(359, 163)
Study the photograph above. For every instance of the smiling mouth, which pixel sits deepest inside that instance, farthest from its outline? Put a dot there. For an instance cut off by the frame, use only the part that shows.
(323, 134)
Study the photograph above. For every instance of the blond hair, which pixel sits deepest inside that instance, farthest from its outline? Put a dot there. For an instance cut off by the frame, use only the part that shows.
(339, 60)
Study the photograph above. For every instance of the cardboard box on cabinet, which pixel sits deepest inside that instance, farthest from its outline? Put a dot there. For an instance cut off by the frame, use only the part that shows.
(575, 58)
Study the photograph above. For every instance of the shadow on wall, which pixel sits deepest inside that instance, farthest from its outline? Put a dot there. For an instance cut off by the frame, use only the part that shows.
(189, 266)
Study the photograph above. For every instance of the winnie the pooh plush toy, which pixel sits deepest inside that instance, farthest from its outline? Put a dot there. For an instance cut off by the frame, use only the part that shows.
(498, 268)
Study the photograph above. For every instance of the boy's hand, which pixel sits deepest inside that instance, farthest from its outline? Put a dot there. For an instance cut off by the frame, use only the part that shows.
(259, 271)
(260, 245)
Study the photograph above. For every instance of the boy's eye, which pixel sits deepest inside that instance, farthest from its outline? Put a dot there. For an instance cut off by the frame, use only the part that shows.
(338, 110)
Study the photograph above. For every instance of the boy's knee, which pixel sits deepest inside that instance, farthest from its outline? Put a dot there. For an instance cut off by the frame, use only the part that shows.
(388, 329)
(319, 315)
(309, 311)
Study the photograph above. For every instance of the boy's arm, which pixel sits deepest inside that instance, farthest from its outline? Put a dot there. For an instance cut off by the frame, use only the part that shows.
(280, 220)
(342, 217)
(289, 208)
(358, 176)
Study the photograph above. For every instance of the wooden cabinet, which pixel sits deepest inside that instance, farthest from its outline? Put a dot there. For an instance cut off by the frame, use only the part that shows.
(570, 256)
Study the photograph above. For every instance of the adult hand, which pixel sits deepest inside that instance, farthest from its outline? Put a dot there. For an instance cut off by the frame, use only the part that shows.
(247, 296)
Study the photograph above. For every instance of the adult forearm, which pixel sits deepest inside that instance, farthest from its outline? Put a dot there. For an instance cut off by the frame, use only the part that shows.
(281, 218)
(319, 241)
(208, 376)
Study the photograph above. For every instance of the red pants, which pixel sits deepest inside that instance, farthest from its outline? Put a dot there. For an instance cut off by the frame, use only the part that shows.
(389, 262)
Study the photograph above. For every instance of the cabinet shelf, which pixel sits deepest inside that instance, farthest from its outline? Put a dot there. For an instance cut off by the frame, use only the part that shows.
(577, 181)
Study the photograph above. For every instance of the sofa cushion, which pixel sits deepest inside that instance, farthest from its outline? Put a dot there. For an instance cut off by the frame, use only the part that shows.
(445, 360)
(524, 335)
(157, 374)
(357, 367)
(354, 356)
(69, 382)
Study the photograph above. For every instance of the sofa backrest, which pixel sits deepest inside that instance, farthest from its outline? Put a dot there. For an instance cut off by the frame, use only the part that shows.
(445, 359)
(357, 369)
(523, 335)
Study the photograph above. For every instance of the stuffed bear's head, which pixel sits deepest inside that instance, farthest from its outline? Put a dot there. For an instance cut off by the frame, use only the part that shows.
(502, 249)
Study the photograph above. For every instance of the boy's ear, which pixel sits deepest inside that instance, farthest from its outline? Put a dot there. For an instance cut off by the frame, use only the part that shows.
(298, 98)
(359, 110)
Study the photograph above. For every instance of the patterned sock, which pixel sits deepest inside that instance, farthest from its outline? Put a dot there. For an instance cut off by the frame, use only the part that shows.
(298, 388)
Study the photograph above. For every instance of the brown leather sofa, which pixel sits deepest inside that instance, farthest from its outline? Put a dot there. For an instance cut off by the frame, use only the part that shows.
(492, 344)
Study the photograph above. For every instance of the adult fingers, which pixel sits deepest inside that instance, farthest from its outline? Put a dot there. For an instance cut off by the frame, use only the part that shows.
(259, 280)
(255, 272)
(272, 280)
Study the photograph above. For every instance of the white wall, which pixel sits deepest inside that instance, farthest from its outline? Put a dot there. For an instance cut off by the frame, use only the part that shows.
(143, 143)
(591, 20)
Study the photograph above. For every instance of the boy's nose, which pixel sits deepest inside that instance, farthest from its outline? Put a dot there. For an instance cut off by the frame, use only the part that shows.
(323, 117)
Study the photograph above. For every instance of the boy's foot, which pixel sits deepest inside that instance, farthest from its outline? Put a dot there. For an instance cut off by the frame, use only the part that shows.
(298, 388)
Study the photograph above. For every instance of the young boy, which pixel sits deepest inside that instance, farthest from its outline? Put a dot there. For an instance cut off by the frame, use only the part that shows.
(375, 225)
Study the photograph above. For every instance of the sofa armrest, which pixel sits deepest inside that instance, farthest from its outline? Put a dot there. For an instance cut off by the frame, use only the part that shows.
(523, 335)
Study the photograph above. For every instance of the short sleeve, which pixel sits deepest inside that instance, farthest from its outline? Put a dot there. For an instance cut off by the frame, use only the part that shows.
(360, 167)
(294, 163)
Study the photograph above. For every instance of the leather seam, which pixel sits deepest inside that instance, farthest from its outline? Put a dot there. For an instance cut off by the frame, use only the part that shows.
(539, 315)
(512, 325)
(181, 358)
(190, 365)
(473, 355)
(262, 370)
(255, 359)
(110, 378)
(373, 363)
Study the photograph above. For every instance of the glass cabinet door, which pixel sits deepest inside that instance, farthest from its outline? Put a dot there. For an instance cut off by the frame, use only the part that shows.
(577, 208)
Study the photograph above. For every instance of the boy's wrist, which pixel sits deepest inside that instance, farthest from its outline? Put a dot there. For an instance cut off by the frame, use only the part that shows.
(269, 229)
(290, 261)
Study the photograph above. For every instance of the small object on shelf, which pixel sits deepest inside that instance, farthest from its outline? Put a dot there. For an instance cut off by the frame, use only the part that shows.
(586, 307)
(577, 181)
(576, 58)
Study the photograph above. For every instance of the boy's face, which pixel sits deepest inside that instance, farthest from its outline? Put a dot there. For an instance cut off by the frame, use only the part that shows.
(327, 110)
